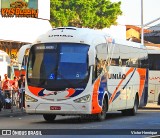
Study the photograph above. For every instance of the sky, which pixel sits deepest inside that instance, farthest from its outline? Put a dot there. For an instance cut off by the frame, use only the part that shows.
(132, 12)
(131, 16)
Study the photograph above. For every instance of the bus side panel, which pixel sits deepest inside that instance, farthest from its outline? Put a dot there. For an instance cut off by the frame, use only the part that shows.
(120, 85)
(153, 86)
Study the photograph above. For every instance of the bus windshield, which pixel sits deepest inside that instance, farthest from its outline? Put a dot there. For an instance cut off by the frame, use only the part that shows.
(58, 66)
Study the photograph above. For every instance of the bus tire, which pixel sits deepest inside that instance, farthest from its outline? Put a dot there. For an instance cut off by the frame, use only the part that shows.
(102, 116)
(49, 117)
(133, 111)
(158, 99)
(125, 112)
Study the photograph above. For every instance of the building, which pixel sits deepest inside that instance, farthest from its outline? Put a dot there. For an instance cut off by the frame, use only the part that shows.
(153, 36)
(134, 32)
(20, 31)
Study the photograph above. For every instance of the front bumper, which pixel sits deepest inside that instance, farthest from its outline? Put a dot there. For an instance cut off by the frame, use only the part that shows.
(66, 109)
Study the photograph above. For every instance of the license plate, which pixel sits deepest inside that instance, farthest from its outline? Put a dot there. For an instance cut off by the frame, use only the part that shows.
(55, 108)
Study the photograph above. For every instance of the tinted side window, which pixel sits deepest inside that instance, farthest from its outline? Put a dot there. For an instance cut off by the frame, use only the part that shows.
(154, 61)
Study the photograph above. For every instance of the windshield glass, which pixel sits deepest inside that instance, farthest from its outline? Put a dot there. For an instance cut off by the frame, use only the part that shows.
(56, 66)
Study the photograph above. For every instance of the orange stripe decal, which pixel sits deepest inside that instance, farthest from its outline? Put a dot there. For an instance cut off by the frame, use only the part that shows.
(142, 75)
(70, 92)
(34, 90)
(95, 105)
(115, 91)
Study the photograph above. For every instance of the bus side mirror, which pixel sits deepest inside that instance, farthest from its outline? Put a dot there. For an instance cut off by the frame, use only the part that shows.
(91, 54)
(21, 53)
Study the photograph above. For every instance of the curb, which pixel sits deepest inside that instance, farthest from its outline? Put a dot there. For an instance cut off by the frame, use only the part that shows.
(14, 113)
(151, 106)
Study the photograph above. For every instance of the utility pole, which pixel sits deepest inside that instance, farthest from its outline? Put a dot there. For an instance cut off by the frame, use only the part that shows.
(142, 29)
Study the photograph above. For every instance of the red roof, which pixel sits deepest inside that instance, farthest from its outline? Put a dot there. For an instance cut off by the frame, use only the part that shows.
(137, 28)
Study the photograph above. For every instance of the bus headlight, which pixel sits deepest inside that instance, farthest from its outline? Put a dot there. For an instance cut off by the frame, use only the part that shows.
(30, 99)
(83, 99)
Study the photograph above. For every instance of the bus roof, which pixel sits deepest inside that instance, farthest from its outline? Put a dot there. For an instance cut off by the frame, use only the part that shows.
(153, 50)
(130, 43)
(88, 36)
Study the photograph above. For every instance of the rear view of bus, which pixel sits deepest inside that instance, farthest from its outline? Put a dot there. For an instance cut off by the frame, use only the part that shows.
(62, 77)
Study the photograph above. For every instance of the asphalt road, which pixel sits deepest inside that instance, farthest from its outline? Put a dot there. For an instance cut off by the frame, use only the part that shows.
(115, 124)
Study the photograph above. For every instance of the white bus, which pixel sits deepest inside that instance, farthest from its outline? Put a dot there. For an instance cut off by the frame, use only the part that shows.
(5, 65)
(81, 71)
(154, 74)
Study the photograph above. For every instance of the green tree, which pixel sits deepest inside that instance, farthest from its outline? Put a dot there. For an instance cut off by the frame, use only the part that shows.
(84, 13)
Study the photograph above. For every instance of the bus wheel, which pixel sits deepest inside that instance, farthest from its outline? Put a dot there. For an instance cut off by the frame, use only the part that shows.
(133, 111)
(158, 99)
(49, 117)
(101, 116)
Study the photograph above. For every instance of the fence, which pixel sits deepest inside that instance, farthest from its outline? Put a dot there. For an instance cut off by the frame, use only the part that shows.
(12, 99)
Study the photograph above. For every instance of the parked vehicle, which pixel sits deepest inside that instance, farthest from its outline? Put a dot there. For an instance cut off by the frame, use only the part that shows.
(86, 72)
(154, 74)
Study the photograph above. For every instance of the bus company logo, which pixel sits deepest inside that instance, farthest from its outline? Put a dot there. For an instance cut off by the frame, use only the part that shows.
(117, 76)
(19, 8)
